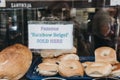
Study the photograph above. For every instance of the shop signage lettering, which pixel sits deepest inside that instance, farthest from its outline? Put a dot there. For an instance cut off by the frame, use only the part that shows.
(50, 36)
(21, 5)
(2, 3)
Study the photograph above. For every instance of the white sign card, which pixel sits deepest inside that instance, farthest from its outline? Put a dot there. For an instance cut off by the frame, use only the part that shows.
(2, 3)
(50, 36)
(114, 2)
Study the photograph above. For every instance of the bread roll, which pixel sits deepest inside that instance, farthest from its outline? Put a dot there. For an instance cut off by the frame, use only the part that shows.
(50, 60)
(105, 54)
(47, 69)
(14, 62)
(98, 69)
(68, 57)
(55, 53)
(85, 64)
(116, 70)
(70, 68)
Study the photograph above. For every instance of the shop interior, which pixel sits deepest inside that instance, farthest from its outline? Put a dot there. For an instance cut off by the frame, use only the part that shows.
(87, 37)
(14, 22)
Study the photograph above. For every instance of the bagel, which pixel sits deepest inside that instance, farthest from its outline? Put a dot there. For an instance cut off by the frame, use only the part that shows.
(116, 70)
(98, 69)
(85, 64)
(51, 53)
(15, 61)
(47, 69)
(68, 57)
(50, 60)
(105, 54)
(69, 68)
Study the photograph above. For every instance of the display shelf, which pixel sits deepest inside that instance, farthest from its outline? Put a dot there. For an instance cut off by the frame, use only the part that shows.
(33, 75)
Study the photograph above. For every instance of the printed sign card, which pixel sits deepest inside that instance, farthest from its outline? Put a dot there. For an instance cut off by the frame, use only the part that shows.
(50, 36)
(114, 2)
(2, 3)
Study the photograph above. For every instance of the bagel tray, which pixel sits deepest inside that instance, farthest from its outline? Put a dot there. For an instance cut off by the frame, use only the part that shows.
(33, 75)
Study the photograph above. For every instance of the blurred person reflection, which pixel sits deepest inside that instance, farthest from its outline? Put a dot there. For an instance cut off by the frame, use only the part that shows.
(102, 30)
(60, 10)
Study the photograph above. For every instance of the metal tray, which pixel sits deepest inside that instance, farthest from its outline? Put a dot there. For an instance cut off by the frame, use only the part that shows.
(33, 75)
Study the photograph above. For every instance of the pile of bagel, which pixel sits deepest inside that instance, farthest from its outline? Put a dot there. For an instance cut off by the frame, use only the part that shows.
(63, 62)
(105, 64)
(67, 63)
(15, 61)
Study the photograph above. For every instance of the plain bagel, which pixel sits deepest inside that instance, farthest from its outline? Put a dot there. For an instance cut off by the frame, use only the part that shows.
(70, 68)
(50, 60)
(105, 54)
(68, 57)
(116, 70)
(47, 69)
(51, 53)
(85, 64)
(98, 69)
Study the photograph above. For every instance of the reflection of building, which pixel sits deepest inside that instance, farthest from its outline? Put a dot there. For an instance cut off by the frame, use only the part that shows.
(21, 11)
(45, 3)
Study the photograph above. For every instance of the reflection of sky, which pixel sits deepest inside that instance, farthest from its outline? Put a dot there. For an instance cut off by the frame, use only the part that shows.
(15, 18)
(13, 28)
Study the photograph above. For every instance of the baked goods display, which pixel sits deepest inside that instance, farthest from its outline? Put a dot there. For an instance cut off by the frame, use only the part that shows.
(67, 64)
(15, 61)
(105, 64)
